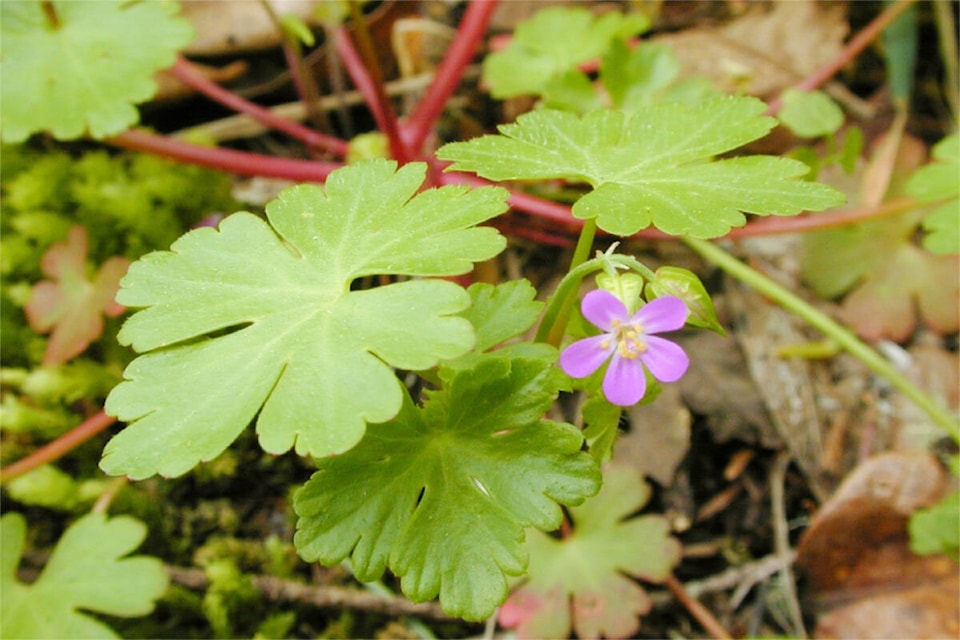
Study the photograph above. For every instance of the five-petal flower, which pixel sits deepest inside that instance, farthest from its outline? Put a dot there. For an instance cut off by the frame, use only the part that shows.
(628, 343)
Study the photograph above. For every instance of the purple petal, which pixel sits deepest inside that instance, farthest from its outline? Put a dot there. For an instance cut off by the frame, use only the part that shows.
(665, 359)
(625, 382)
(601, 308)
(583, 357)
(668, 313)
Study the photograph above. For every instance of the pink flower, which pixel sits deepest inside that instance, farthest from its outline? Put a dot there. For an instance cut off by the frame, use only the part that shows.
(628, 343)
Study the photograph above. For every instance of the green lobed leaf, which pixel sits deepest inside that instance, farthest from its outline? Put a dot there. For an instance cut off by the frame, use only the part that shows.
(292, 342)
(86, 570)
(651, 167)
(441, 495)
(581, 581)
(601, 427)
(810, 114)
(501, 312)
(552, 42)
(84, 73)
(936, 181)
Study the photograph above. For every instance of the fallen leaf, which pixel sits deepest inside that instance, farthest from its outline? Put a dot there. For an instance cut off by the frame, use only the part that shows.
(68, 305)
(862, 577)
(768, 49)
(581, 581)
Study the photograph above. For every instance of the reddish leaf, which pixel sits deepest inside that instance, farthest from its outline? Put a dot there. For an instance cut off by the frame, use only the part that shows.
(68, 305)
(582, 581)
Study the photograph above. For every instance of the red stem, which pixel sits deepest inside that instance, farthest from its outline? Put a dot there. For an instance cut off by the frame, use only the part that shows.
(59, 447)
(190, 76)
(470, 33)
(240, 162)
(820, 221)
(852, 49)
(373, 93)
(706, 619)
(560, 214)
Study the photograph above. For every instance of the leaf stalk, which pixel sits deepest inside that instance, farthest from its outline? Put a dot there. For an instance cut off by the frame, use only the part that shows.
(819, 320)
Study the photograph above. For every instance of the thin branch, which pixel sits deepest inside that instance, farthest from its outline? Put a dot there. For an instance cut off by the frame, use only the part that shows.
(58, 448)
(781, 539)
(706, 619)
(472, 28)
(240, 162)
(299, 70)
(188, 74)
(325, 596)
(368, 82)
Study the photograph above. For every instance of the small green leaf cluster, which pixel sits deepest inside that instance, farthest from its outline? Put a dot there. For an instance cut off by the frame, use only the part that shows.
(813, 114)
(546, 52)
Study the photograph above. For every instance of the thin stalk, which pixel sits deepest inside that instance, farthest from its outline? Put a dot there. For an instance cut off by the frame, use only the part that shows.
(829, 220)
(304, 82)
(580, 255)
(470, 33)
(240, 162)
(567, 289)
(843, 336)
(850, 51)
(189, 75)
(706, 619)
(59, 447)
(364, 70)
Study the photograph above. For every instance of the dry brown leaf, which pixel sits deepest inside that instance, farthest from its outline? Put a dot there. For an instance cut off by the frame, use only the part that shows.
(229, 27)
(863, 579)
(771, 47)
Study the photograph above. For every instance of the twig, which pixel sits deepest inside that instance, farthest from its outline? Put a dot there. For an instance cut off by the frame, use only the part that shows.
(749, 573)
(187, 74)
(781, 539)
(706, 619)
(428, 109)
(240, 162)
(59, 447)
(362, 66)
(324, 596)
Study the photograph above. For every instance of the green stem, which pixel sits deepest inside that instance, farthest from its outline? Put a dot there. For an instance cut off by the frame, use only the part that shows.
(843, 336)
(580, 255)
(565, 295)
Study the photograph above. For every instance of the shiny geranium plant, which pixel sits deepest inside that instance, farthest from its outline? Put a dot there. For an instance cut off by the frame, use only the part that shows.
(445, 474)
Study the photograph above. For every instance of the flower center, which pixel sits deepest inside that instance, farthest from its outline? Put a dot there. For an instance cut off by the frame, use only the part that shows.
(629, 337)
